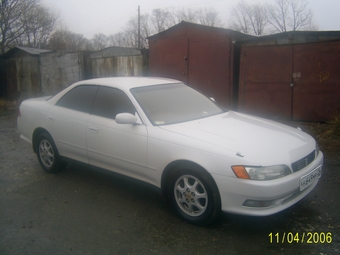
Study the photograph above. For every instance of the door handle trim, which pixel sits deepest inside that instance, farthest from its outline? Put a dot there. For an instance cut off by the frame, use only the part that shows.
(93, 129)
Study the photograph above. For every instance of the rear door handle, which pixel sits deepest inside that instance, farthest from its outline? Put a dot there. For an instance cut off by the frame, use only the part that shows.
(93, 130)
(50, 118)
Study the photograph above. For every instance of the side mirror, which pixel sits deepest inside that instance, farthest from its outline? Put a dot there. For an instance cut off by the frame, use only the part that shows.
(126, 118)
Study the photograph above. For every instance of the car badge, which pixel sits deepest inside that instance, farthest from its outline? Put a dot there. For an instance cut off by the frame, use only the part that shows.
(239, 154)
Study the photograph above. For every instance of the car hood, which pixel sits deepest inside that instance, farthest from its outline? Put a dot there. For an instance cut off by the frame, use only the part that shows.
(263, 141)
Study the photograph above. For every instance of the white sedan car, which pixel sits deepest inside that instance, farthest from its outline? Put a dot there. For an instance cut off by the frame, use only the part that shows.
(204, 158)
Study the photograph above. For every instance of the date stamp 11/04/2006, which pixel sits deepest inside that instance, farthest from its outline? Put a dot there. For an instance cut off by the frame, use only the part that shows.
(304, 237)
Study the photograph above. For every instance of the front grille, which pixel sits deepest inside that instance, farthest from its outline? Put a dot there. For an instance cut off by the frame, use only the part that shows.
(302, 163)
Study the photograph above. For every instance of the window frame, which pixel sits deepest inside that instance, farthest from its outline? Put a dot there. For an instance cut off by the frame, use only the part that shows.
(121, 92)
(90, 106)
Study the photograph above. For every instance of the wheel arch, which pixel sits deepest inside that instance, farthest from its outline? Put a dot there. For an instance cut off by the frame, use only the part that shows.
(180, 163)
(36, 133)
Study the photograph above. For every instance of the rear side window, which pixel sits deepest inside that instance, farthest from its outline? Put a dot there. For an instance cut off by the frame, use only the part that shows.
(80, 98)
(110, 101)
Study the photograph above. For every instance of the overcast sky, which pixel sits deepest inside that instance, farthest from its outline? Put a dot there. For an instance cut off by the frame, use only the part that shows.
(89, 17)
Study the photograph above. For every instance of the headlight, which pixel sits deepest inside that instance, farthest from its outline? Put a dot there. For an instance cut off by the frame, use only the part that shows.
(261, 173)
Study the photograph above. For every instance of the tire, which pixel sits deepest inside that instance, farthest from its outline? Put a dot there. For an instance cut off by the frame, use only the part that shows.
(194, 195)
(48, 155)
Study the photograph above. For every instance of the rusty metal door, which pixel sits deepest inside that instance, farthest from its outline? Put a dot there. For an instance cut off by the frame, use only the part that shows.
(30, 83)
(265, 81)
(210, 70)
(316, 81)
(168, 58)
(12, 79)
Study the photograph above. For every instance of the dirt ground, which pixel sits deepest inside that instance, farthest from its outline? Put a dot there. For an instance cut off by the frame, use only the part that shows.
(89, 211)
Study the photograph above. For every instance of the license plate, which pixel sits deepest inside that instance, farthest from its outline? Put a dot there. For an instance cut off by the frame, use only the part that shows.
(308, 179)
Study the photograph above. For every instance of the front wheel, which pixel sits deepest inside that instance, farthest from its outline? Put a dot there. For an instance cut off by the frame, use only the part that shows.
(194, 196)
(48, 155)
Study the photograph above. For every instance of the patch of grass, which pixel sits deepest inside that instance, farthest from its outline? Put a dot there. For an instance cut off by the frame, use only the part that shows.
(7, 105)
(335, 125)
(327, 134)
(3, 103)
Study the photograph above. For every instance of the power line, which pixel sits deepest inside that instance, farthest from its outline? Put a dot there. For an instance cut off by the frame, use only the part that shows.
(116, 20)
(132, 13)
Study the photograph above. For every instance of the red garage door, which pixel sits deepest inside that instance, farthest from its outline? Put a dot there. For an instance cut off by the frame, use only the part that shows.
(265, 81)
(168, 58)
(300, 82)
(209, 69)
(317, 81)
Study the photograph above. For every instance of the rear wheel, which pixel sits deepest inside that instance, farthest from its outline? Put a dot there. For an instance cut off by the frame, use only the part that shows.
(194, 195)
(48, 155)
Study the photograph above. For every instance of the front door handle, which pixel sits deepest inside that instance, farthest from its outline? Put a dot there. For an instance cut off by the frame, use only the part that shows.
(93, 130)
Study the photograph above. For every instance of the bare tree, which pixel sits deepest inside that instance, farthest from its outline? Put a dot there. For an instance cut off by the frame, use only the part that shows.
(161, 19)
(122, 39)
(100, 41)
(39, 23)
(131, 31)
(145, 30)
(189, 15)
(157, 21)
(249, 19)
(240, 20)
(63, 39)
(290, 15)
(117, 39)
(209, 17)
(11, 26)
(258, 19)
(282, 16)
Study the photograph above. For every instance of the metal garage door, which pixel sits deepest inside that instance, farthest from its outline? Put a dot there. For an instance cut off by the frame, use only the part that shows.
(293, 82)
(317, 81)
(168, 58)
(265, 81)
(209, 69)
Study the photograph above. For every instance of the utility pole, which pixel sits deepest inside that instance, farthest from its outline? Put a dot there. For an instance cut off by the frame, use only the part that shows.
(138, 27)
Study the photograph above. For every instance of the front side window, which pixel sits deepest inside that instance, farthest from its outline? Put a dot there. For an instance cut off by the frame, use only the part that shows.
(79, 98)
(110, 101)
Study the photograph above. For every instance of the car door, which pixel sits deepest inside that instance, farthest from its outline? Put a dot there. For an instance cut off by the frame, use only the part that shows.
(118, 147)
(67, 122)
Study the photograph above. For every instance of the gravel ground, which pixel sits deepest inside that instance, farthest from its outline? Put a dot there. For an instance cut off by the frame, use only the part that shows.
(83, 210)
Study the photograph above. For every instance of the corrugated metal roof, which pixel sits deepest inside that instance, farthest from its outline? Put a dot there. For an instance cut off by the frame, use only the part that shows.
(237, 35)
(31, 51)
(115, 51)
(293, 37)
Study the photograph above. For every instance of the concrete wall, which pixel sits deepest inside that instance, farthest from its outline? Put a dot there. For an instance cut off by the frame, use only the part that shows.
(117, 66)
(22, 77)
(47, 73)
(59, 70)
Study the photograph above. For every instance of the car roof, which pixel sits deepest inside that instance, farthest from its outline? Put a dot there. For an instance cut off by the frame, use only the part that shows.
(126, 83)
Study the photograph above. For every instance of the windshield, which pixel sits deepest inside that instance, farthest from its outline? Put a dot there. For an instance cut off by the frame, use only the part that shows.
(174, 103)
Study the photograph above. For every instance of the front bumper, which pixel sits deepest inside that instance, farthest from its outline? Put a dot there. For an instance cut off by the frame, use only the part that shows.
(261, 198)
